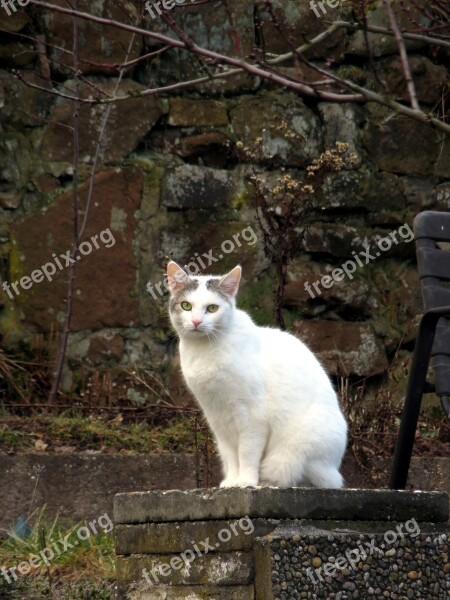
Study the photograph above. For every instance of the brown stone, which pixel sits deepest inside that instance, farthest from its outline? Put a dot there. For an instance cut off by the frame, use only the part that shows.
(46, 183)
(17, 55)
(128, 123)
(10, 199)
(344, 347)
(97, 43)
(441, 197)
(298, 22)
(24, 106)
(335, 239)
(102, 349)
(185, 112)
(428, 78)
(402, 145)
(105, 278)
(212, 147)
(14, 22)
(384, 44)
(209, 28)
(349, 295)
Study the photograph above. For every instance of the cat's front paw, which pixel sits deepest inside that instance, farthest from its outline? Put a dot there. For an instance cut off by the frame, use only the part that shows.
(244, 482)
(227, 483)
(241, 482)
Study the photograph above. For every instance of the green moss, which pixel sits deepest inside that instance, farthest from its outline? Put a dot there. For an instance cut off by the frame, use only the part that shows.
(16, 270)
(240, 201)
(256, 298)
(51, 197)
(151, 191)
(10, 322)
(352, 72)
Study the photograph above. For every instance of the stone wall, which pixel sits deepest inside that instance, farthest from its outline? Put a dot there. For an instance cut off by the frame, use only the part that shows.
(274, 543)
(171, 182)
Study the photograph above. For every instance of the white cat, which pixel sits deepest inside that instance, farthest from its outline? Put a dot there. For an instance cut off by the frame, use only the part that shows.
(267, 399)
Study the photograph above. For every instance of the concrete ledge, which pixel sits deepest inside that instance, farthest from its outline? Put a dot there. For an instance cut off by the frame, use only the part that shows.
(280, 503)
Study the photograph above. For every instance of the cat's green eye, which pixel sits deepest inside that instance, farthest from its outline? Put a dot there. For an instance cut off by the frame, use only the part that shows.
(212, 308)
(186, 306)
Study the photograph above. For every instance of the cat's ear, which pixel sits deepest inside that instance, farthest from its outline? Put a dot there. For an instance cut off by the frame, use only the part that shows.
(177, 278)
(229, 284)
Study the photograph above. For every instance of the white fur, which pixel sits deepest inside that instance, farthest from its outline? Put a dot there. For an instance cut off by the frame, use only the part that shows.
(269, 402)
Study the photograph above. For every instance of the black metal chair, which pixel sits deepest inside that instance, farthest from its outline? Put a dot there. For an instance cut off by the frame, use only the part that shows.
(433, 339)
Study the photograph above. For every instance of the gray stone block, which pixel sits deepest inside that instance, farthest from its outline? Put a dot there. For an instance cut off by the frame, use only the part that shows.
(280, 503)
(221, 568)
(167, 538)
(188, 593)
(192, 186)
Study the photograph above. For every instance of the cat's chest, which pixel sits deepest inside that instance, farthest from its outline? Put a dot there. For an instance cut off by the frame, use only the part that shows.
(215, 371)
(201, 364)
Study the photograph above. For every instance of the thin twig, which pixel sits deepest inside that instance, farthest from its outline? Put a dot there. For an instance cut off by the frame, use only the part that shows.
(57, 373)
(403, 55)
(214, 56)
(406, 34)
(396, 107)
(79, 230)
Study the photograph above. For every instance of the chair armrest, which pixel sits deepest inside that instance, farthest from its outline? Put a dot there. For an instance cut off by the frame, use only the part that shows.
(441, 311)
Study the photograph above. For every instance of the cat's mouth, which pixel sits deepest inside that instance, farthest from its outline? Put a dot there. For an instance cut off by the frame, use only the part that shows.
(197, 332)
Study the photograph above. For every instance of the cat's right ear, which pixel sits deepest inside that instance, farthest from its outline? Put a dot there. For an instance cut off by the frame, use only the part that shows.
(177, 278)
(230, 283)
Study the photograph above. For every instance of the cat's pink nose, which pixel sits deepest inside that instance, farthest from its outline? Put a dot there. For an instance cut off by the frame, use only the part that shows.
(197, 322)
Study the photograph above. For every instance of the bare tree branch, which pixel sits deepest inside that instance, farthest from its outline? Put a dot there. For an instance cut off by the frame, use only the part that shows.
(403, 55)
(78, 231)
(406, 34)
(60, 357)
(214, 56)
(370, 96)
(360, 94)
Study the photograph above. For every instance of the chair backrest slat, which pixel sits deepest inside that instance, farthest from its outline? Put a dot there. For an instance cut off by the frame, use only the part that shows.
(433, 263)
(434, 269)
(432, 225)
(442, 341)
(435, 296)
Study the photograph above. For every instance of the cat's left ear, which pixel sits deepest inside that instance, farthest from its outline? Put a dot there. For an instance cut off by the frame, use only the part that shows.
(229, 284)
(177, 278)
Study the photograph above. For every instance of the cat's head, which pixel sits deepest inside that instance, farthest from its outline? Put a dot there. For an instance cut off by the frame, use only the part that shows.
(201, 305)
